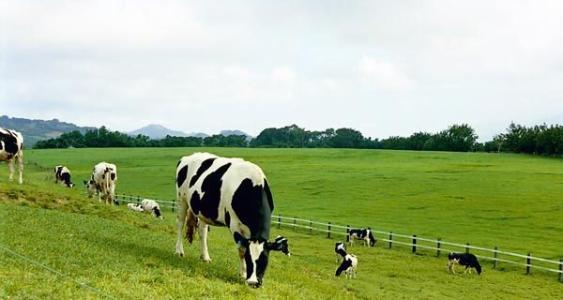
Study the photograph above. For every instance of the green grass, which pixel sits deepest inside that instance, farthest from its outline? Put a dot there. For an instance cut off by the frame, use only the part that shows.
(508, 200)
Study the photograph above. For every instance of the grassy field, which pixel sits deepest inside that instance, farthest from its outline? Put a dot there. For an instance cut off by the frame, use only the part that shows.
(511, 201)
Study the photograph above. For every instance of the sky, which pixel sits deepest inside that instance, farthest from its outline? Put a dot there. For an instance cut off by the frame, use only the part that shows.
(382, 67)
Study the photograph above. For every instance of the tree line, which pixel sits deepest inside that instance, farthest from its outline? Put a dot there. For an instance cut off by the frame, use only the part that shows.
(541, 139)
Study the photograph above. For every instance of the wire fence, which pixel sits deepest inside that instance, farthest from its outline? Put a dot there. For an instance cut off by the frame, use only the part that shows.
(414, 243)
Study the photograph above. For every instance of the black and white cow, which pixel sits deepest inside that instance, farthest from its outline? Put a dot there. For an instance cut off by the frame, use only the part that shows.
(468, 260)
(340, 250)
(362, 234)
(280, 244)
(147, 205)
(62, 175)
(349, 262)
(102, 182)
(11, 149)
(229, 192)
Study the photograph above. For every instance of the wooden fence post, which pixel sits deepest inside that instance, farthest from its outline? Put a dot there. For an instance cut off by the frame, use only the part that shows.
(310, 227)
(279, 221)
(347, 233)
(467, 248)
(390, 239)
(173, 206)
(561, 270)
(138, 199)
(438, 246)
(528, 264)
(495, 255)
(414, 243)
(328, 233)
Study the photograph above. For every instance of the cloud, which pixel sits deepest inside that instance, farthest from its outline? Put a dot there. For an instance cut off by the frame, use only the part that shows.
(382, 74)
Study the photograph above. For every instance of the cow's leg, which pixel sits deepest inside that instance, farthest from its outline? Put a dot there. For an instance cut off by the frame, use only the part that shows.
(180, 220)
(20, 166)
(242, 269)
(11, 167)
(202, 229)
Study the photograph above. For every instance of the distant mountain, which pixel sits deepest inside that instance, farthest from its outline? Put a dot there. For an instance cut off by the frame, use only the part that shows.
(155, 131)
(36, 130)
(232, 132)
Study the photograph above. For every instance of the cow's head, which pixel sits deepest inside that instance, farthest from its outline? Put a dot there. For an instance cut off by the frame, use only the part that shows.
(256, 254)
(372, 239)
(90, 187)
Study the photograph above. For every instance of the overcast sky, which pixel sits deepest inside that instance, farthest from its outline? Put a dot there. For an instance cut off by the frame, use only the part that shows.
(382, 67)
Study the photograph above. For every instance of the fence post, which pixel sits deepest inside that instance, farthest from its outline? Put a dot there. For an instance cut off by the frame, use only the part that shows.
(390, 239)
(328, 233)
(438, 245)
(138, 199)
(467, 248)
(561, 270)
(495, 255)
(294, 224)
(528, 264)
(279, 221)
(347, 233)
(414, 243)
(173, 206)
(310, 227)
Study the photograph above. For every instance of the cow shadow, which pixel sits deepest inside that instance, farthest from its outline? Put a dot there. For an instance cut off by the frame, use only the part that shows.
(188, 264)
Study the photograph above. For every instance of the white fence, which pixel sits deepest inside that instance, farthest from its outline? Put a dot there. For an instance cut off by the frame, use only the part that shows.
(414, 242)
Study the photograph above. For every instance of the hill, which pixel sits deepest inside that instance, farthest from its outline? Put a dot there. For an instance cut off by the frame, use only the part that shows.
(112, 252)
(36, 130)
(155, 131)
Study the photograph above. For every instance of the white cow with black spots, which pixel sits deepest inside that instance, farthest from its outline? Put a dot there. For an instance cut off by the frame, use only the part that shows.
(229, 192)
(11, 149)
(102, 182)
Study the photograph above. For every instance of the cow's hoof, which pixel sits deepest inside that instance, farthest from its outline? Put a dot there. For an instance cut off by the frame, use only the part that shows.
(206, 259)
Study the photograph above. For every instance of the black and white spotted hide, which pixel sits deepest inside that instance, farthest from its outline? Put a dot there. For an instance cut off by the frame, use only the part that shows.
(103, 182)
(348, 266)
(365, 235)
(339, 250)
(280, 244)
(227, 192)
(11, 150)
(62, 175)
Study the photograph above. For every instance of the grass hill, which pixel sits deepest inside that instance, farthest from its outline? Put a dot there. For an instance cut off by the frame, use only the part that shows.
(36, 130)
(130, 255)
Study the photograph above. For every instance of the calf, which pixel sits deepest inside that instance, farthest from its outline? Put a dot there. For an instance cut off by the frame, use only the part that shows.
(362, 234)
(153, 207)
(62, 175)
(280, 244)
(11, 149)
(135, 207)
(227, 192)
(102, 182)
(349, 263)
(465, 259)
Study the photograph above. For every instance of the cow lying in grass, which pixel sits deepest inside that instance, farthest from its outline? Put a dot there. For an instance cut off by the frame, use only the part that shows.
(147, 205)
(464, 259)
(349, 262)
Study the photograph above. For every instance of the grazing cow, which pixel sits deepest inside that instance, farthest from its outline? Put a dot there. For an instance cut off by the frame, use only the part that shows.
(62, 175)
(349, 263)
(465, 259)
(340, 250)
(102, 182)
(135, 207)
(11, 149)
(280, 244)
(362, 234)
(229, 192)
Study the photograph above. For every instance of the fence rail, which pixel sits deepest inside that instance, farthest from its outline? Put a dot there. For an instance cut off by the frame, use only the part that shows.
(412, 241)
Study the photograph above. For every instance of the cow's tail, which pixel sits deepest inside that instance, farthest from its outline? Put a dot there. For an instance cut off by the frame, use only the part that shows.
(267, 195)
